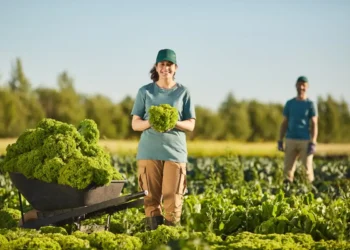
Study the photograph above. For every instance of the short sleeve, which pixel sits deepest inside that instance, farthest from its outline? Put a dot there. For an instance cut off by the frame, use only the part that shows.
(313, 110)
(188, 107)
(286, 109)
(139, 104)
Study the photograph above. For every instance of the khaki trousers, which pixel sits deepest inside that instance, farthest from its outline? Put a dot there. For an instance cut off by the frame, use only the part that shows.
(165, 181)
(293, 150)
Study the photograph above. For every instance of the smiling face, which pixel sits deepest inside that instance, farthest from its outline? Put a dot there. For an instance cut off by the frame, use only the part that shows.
(166, 70)
(301, 88)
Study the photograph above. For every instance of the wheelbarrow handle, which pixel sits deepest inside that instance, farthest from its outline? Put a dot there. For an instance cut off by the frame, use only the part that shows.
(137, 195)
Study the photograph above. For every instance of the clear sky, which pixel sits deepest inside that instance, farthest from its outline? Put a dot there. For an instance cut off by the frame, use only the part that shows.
(255, 49)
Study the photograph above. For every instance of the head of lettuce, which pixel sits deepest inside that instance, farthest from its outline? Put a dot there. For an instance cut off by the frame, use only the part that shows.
(163, 117)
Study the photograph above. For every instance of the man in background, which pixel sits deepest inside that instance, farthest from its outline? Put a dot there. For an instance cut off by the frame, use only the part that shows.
(299, 113)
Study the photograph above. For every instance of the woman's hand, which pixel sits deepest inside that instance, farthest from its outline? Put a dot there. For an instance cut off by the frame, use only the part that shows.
(186, 125)
(138, 124)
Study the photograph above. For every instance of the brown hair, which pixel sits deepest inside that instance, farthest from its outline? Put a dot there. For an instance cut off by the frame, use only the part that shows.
(154, 74)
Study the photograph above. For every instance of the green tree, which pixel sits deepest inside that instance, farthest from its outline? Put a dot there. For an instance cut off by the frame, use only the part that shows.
(126, 107)
(31, 111)
(19, 82)
(329, 120)
(235, 117)
(274, 116)
(121, 122)
(12, 114)
(48, 99)
(100, 109)
(70, 103)
(209, 125)
(257, 120)
(344, 118)
(21, 108)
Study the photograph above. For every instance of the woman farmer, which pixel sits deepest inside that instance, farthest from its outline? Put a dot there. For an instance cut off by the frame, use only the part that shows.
(162, 157)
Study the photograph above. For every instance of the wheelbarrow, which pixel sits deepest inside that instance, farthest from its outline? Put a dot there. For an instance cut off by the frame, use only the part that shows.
(61, 204)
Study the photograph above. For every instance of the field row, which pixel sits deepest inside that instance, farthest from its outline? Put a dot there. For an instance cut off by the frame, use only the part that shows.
(231, 203)
(212, 148)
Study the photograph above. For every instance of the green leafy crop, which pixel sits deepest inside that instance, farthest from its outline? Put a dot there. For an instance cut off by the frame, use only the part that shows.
(9, 217)
(33, 243)
(88, 129)
(57, 152)
(52, 230)
(163, 117)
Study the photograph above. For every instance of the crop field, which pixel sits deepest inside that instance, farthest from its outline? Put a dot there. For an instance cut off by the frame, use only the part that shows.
(233, 202)
(223, 148)
(212, 148)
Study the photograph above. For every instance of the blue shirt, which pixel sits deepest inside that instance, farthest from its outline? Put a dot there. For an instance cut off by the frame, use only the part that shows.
(299, 113)
(171, 145)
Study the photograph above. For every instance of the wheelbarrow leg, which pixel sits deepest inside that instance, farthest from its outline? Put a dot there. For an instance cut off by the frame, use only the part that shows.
(21, 206)
(108, 222)
(78, 223)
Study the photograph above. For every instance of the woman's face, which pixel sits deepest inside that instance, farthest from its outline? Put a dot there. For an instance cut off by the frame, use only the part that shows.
(166, 70)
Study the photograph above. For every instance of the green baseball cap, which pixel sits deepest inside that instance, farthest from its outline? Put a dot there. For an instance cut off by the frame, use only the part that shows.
(302, 79)
(166, 55)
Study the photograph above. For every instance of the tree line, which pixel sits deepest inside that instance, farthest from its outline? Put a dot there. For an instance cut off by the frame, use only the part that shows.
(22, 106)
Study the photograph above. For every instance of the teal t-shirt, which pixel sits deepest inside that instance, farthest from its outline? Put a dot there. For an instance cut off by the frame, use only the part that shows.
(299, 113)
(171, 145)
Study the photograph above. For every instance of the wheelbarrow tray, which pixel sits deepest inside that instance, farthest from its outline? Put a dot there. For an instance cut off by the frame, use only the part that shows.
(45, 196)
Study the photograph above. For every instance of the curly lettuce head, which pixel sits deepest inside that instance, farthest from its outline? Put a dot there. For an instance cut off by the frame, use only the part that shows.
(88, 129)
(52, 126)
(9, 218)
(83, 171)
(57, 152)
(163, 117)
(29, 140)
